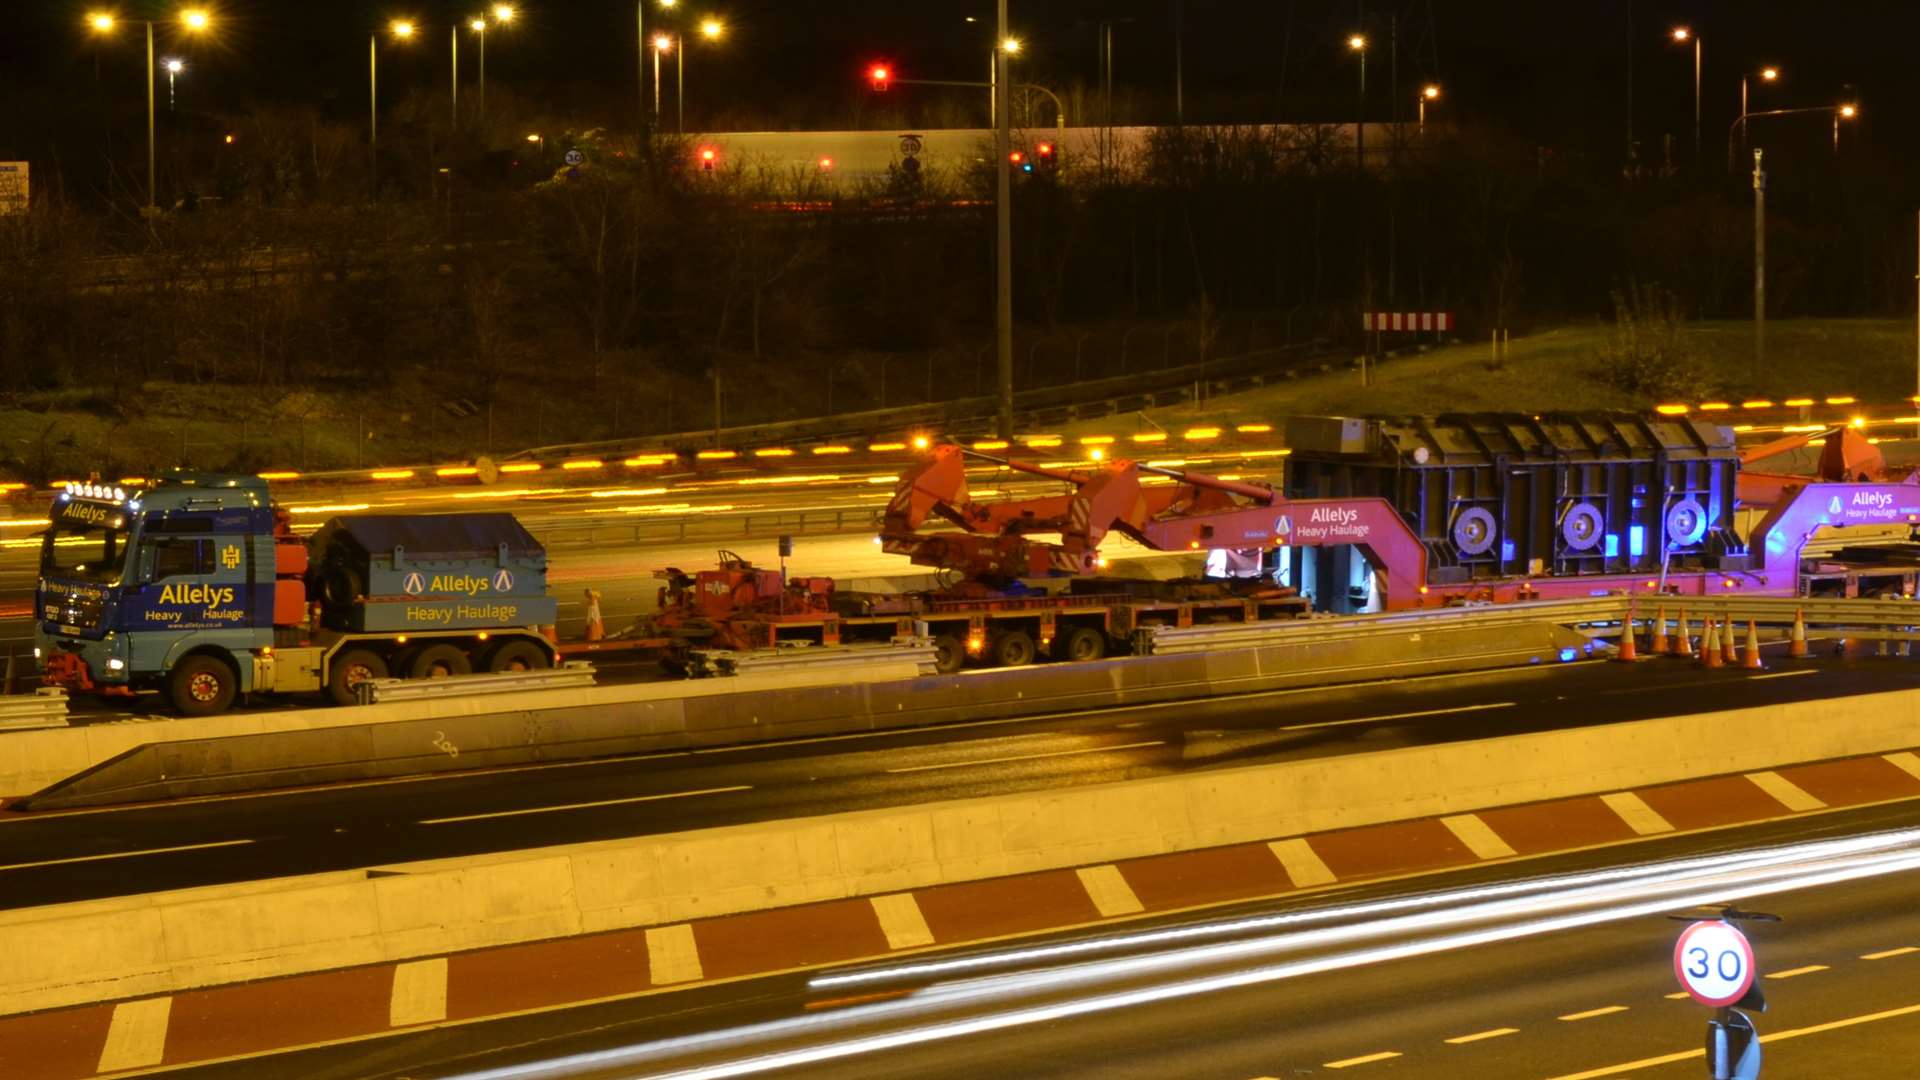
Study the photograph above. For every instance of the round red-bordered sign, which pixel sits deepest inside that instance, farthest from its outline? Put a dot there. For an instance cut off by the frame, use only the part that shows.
(1714, 962)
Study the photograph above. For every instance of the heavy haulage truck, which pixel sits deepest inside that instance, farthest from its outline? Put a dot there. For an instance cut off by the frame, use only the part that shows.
(198, 588)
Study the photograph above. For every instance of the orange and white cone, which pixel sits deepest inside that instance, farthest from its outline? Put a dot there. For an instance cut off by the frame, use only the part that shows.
(596, 627)
(1682, 644)
(1751, 661)
(1658, 646)
(1710, 645)
(1629, 651)
(1797, 641)
(1728, 652)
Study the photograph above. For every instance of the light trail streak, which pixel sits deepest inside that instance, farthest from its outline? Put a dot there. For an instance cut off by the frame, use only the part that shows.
(1674, 885)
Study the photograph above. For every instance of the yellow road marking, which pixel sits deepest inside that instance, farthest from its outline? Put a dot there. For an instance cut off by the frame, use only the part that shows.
(901, 921)
(1681, 996)
(1347, 1063)
(1400, 716)
(1604, 1010)
(1460, 1040)
(1684, 1055)
(1888, 953)
(1791, 795)
(124, 854)
(1791, 972)
(1303, 865)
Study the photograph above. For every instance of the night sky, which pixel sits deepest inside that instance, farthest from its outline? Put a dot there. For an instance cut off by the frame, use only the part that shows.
(1552, 71)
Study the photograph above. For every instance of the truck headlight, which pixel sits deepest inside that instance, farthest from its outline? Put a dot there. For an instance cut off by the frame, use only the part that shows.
(36, 652)
(116, 664)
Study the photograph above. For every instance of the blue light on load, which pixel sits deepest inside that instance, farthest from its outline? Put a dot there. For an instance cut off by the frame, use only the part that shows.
(1613, 545)
(1567, 655)
(1506, 551)
(1636, 541)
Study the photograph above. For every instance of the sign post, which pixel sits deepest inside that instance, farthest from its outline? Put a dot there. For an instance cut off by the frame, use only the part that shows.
(1715, 964)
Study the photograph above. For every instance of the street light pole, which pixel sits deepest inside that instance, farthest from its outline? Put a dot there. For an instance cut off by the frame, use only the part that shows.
(1003, 268)
(454, 33)
(151, 182)
(373, 111)
(1696, 103)
(1759, 268)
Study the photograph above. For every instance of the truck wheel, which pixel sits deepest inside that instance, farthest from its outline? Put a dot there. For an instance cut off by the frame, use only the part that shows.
(349, 670)
(949, 652)
(1080, 643)
(517, 656)
(201, 686)
(439, 662)
(1013, 648)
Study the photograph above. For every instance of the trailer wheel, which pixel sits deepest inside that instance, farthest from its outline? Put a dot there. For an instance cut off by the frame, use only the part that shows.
(1013, 648)
(439, 662)
(202, 686)
(1080, 643)
(351, 668)
(949, 652)
(517, 656)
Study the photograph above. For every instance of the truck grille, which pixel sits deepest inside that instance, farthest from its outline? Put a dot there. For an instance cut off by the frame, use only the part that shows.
(77, 607)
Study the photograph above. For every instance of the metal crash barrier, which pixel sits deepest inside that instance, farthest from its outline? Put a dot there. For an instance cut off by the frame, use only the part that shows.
(1597, 617)
(569, 675)
(44, 708)
(919, 652)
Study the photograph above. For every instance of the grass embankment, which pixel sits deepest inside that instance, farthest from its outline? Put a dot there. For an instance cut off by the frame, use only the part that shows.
(1561, 370)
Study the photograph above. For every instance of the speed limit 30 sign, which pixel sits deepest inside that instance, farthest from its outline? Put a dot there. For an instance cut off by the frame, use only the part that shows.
(1714, 962)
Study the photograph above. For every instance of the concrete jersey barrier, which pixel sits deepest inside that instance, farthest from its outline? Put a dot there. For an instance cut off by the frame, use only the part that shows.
(164, 942)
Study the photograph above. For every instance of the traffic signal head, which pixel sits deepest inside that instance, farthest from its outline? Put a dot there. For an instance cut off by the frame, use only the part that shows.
(880, 75)
(1044, 149)
(709, 158)
(1018, 157)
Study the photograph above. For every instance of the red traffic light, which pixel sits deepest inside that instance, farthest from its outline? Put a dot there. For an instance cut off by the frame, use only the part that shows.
(1044, 149)
(708, 158)
(1017, 157)
(880, 75)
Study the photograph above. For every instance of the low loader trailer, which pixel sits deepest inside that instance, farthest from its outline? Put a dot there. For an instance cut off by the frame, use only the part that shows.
(198, 588)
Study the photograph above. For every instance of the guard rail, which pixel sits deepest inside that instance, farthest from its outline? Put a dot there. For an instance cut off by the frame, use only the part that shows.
(1600, 617)
(703, 663)
(46, 707)
(569, 675)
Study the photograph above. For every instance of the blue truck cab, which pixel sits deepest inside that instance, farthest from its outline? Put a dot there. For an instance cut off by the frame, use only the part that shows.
(199, 588)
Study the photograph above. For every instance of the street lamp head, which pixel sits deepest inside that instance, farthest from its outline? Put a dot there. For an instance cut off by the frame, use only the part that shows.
(1769, 73)
(1682, 33)
(669, 3)
(175, 67)
(478, 25)
(1357, 42)
(1849, 111)
(101, 22)
(662, 43)
(503, 13)
(1012, 46)
(1430, 91)
(196, 19)
(533, 138)
(711, 29)
(401, 28)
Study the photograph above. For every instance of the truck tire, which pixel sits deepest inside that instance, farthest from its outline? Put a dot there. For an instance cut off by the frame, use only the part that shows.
(351, 668)
(438, 662)
(1080, 643)
(202, 686)
(1013, 648)
(517, 656)
(949, 652)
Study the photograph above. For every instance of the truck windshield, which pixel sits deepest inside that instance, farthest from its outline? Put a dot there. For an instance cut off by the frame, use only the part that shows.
(88, 552)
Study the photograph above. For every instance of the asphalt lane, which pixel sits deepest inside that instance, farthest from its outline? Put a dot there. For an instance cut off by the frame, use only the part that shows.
(1839, 973)
(63, 856)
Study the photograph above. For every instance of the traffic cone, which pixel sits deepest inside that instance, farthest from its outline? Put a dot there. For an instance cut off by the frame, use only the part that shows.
(1728, 652)
(1751, 661)
(596, 627)
(1658, 646)
(552, 634)
(1797, 641)
(1682, 644)
(1629, 651)
(1710, 645)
